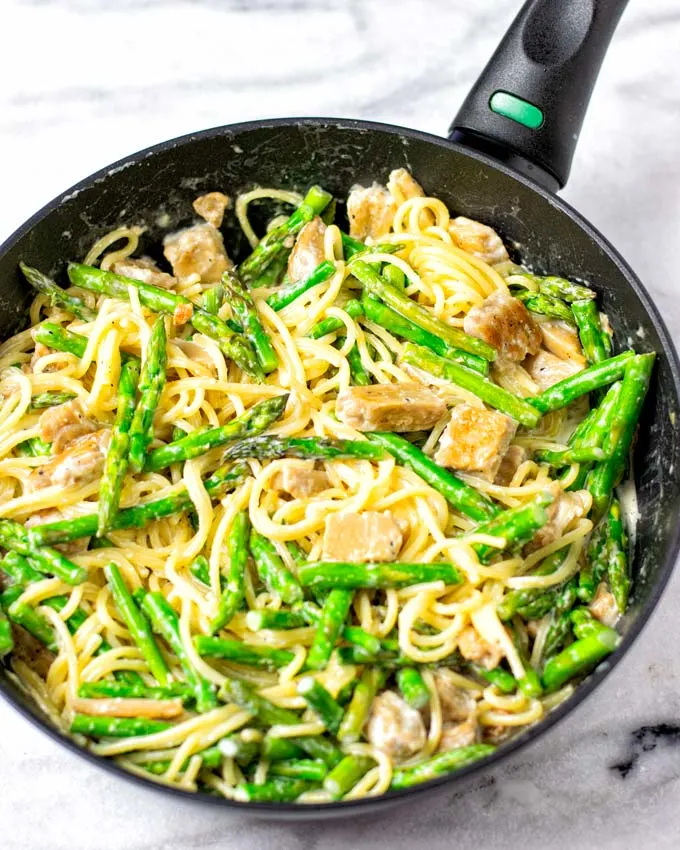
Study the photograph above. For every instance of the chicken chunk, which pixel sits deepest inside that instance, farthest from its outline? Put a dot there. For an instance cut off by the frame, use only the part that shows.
(474, 648)
(29, 650)
(511, 462)
(562, 340)
(504, 323)
(63, 424)
(565, 510)
(478, 239)
(496, 734)
(80, 463)
(369, 536)
(146, 270)
(394, 727)
(197, 250)
(456, 703)
(475, 440)
(390, 407)
(546, 369)
(603, 607)
(403, 187)
(301, 480)
(370, 211)
(211, 207)
(308, 250)
(459, 735)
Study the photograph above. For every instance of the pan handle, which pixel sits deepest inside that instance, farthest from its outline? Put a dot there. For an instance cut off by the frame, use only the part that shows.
(527, 107)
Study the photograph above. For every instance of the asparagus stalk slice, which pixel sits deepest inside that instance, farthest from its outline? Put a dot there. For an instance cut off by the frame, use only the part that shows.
(116, 462)
(268, 619)
(590, 331)
(6, 640)
(46, 560)
(560, 626)
(50, 399)
(461, 496)
(242, 751)
(276, 241)
(200, 569)
(515, 600)
(272, 570)
(387, 318)
(151, 383)
(333, 616)
(331, 324)
(352, 634)
(265, 657)
(417, 314)
(412, 687)
(321, 702)
(269, 447)
(384, 660)
(123, 690)
(288, 293)
(559, 287)
(57, 296)
(34, 447)
(279, 749)
(593, 431)
(337, 575)
(274, 273)
(357, 711)
(116, 727)
(213, 299)
(595, 569)
(516, 525)
(584, 623)
(539, 303)
(243, 308)
(593, 378)
(617, 561)
(313, 770)
(226, 478)
(212, 758)
(608, 474)
(579, 657)
(165, 623)
(504, 681)
(277, 789)
(564, 457)
(345, 775)
(137, 624)
(233, 593)
(487, 391)
(447, 762)
(19, 571)
(394, 276)
(161, 301)
(352, 247)
(358, 374)
(26, 616)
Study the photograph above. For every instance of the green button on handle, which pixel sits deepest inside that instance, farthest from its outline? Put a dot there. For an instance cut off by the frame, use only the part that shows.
(513, 107)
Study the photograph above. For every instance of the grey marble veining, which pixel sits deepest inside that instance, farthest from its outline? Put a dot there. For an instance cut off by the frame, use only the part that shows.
(83, 82)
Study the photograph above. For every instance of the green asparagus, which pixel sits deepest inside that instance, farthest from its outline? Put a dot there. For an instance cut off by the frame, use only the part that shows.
(412, 687)
(268, 619)
(516, 525)
(116, 727)
(241, 653)
(243, 308)
(233, 593)
(321, 702)
(617, 560)
(331, 324)
(151, 383)
(590, 331)
(277, 789)
(269, 447)
(546, 306)
(44, 559)
(57, 296)
(311, 769)
(345, 775)
(446, 762)
(337, 575)
(578, 658)
(288, 293)
(50, 399)
(357, 711)
(333, 616)
(271, 569)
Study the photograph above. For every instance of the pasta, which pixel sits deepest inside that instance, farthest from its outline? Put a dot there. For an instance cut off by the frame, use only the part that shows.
(329, 523)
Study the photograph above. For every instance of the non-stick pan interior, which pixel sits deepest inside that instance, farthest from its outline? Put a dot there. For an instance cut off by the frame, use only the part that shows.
(156, 188)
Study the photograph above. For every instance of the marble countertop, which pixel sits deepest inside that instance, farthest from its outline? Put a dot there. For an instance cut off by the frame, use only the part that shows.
(83, 82)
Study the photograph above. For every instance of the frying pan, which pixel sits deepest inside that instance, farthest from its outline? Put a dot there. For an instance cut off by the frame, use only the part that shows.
(509, 149)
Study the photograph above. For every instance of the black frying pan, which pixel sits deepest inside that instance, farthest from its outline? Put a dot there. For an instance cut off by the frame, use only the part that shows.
(501, 169)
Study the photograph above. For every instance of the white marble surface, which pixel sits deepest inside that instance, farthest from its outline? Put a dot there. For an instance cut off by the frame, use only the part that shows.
(82, 82)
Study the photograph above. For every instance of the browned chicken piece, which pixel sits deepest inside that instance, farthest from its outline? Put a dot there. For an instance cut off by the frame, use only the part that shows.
(403, 187)
(63, 424)
(475, 440)
(197, 250)
(603, 607)
(474, 648)
(308, 250)
(390, 407)
(369, 536)
(478, 239)
(370, 212)
(459, 735)
(73, 547)
(80, 463)
(301, 480)
(504, 323)
(144, 269)
(511, 462)
(565, 510)
(546, 369)
(456, 703)
(211, 207)
(562, 340)
(29, 650)
(394, 727)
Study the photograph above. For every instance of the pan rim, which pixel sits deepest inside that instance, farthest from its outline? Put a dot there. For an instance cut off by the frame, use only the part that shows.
(585, 688)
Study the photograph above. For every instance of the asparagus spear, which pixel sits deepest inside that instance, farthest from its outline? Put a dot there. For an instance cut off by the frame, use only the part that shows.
(212, 758)
(46, 560)
(321, 702)
(311, 448)
(242, 751)
(359, 375)
(200, 569)
(123, 690)
(6, 640)
(50, 399)
(504, 681)
(226, 478)
(35, 447)
(461, 496)
(352, 634)
(252, 422)
(116, 462)
(539, 303)
(352, 247)
(273, 274)
(116, 727)
(447, 762)
(151, 383)
(26, 616)
(213, 299)
(313, 770)
(18, 569)
(57, 296)
(559, 287)
(336, 575)
(237, 552)
(162, 301)
(516, 525)
(516, 600)
(165, 623)
(240, 653)
(560, 625)
(387, 318)
(272, 570)
(279, 749)
(331, 324)
(288, 293)
(420, 316)
(412, 687)
(357, 711)
(579, 657)
(564, 457)
(617, 572)
(277, 789)
(595, 569)
(137, 624)
(268, 619)
(243, 308)
(593, 431)
(345, 775)
(590, 331)
(314, 202)
(333, 616)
